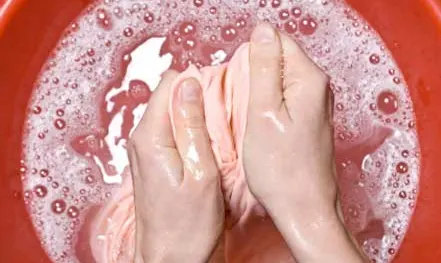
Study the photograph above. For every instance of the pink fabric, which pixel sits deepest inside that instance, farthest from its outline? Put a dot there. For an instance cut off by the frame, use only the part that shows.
(225, 92)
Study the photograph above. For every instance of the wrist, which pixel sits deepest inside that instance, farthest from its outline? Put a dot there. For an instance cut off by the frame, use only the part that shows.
(174, 254)
(167, 257)
(317, 235)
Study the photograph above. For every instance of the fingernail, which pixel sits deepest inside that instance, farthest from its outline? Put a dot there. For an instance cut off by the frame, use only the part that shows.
(263, 33)
(190, 91)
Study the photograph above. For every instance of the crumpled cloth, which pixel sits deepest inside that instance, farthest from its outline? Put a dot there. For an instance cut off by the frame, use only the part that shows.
(226, 94)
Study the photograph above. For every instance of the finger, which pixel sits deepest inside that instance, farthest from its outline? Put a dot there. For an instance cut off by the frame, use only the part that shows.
(155, 127)
(265, 70)
(152, 145)
(302, 77)
(192, 139)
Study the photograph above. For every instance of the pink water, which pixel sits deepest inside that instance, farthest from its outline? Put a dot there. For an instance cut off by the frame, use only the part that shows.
(96, 84)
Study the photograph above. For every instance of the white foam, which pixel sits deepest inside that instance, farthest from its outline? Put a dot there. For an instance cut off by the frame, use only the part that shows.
(345, 66)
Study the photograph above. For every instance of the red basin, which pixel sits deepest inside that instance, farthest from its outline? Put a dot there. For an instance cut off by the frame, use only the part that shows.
(410, 28)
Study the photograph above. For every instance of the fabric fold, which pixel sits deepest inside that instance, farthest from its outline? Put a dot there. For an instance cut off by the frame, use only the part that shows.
(226, 94)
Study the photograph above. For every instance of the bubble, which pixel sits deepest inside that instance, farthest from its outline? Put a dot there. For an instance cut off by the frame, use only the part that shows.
(296, 12)
(139, 91)
(103, 19)
(44, 173)
(402, 194)
(187, 28)
(178, 40)
(213, 10)
(117, 11)
(228, 33)
(149, 17)
(284, 14)
(28, 195)
(60, 112)
(74, 26)
(36, 110)
(391, 251)
(405, 153)
(262, 3)
(276, 3)
(340, 107)
(90, 52)
(374, 59)
(241, 23)
(58, 206)
(198, 3)
(353, 211)
(387, 102)
(402, 168)
(90, 179)
(60, 124)
(290, 26)
(73, 212)
(40, 191)
(308, 26)
(189, 44)
(128, 32)
(127, 58)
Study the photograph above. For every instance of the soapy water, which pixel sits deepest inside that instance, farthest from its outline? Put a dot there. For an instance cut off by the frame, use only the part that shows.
(95, 86)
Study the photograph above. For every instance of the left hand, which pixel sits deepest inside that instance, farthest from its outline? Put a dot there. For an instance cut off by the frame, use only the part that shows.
(178, 197)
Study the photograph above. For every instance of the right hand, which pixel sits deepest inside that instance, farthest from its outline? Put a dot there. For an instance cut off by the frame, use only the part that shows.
(288, 149)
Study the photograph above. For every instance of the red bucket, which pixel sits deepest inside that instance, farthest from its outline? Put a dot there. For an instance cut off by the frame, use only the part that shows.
(29, 29)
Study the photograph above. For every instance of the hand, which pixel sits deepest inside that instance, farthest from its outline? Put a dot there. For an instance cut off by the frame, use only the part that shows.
(178, 199)
(288, 149)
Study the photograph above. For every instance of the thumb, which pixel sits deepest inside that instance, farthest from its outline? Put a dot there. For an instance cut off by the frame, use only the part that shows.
(265, 70)
(192, 139)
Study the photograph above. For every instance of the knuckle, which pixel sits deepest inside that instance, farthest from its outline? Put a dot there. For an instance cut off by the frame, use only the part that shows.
(192, 116)
(266, 62)
(194, 121)
(265, 58)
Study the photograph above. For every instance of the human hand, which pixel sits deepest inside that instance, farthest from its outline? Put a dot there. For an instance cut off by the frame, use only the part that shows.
(288, 149)
(178, 199)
